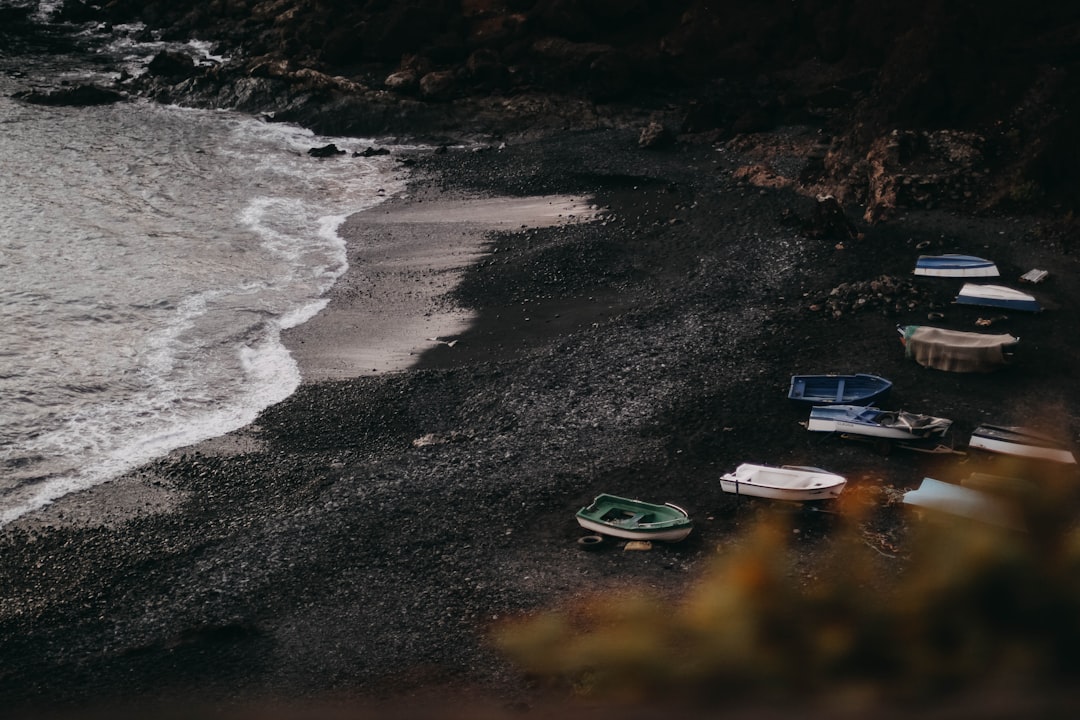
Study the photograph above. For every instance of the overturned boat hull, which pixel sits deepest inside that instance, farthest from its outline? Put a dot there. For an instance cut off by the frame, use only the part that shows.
(955, 266)
(1020, 442)
(963, 502)
(997, 296)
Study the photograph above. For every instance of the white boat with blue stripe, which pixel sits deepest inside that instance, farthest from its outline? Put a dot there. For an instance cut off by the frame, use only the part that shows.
(997, 296)
(955, 266)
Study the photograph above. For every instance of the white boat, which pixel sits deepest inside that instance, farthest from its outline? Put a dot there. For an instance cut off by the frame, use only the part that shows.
(783, 483)
(997, 296)
(1021, 442)
(955, 266)
(963, 502)
(875, 422)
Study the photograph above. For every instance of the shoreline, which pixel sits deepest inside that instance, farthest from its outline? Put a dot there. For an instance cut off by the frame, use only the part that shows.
(406, 255)
(324, 552)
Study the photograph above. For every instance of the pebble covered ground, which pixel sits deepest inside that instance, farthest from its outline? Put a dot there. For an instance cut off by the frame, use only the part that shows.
(361, 538)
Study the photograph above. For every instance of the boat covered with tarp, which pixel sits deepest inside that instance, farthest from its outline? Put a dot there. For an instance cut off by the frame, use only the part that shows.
(957, 350)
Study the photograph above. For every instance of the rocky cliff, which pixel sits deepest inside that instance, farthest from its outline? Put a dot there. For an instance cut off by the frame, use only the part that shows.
(926, 101)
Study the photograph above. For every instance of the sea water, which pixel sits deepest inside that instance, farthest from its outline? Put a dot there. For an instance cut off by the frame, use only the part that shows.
(149, 258)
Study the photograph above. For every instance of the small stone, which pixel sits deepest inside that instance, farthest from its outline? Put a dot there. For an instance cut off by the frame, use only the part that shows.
(638, 545)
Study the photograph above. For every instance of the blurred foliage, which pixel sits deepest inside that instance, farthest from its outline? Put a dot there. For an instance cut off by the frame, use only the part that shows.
(965, 605)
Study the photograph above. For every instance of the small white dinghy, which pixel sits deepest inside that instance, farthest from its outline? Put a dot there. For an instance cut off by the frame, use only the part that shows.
(789, 482)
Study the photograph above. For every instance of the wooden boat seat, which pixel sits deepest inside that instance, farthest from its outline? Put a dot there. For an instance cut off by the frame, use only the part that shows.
(840, 389)
(635, 519)
(624, 518)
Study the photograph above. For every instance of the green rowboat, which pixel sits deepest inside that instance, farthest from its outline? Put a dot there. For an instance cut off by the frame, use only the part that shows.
(634, 519)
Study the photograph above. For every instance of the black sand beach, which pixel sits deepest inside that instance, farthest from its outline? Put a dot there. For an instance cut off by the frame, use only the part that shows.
(358, 542)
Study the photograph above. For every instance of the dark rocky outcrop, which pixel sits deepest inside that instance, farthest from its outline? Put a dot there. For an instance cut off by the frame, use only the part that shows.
(171, 65)
(868, 73)
(860, 69)
(77, 96)
(325, 151)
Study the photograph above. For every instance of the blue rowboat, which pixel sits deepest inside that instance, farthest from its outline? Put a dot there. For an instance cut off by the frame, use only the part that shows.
(997, 296)
(858, 389)
(955, 266)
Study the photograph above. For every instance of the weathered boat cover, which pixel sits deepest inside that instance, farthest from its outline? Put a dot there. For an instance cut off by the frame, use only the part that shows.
(917, 425)
(955, 350)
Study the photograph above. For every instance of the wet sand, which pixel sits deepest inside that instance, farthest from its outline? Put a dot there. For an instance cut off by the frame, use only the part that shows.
(405, 256)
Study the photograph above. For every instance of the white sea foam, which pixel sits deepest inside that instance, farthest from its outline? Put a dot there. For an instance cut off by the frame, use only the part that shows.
(149, 259)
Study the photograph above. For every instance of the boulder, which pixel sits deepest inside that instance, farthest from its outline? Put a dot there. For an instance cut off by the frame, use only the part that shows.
(439, 85)
(78, 96)
(830, 220)
(77, 11)
(654, 136)
(402, 81)
(486, 69)
(171, 64)
(325, 151)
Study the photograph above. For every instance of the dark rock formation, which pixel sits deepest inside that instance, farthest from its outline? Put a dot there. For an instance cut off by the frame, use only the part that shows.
(171, 65)
(999, 71)
(654, 135)
(77, 96)
(325, 151)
